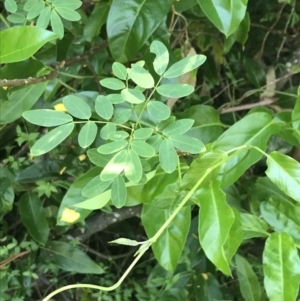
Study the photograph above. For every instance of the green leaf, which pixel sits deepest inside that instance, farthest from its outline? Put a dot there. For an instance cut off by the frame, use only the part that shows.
(143, 134)
(161, 60)
(97, 158)
(118, 135)
(142, 148)
(187, 144)
(281, 268)
(112, 147)
(19, 101)
(112, 83)
(107, 129)
(121, 116)
(52, 139)
(44, 17)
(207, 126)
(74, 196)
(215, 221)
(133, 96)
(77, 107)
(235, 237)
(285, 173)
(296, 117)
(168, 247)
(253, 226)
(158, 110)
(167, 156)
(87, 134)
(95, 187)
(33, 217)
(26, 42)
(249, 284)
(175, 90)
(119, 70)
(115, 166)
(225, 15)
(96, 20)
(115, 98)
(68, 14)
(57, 24)
(141, 76)
(283, 216)
(118, 192)
(74, 4)
(47, 118)
(11, 6)
(69, 258)
(185, 65)
(200, 165)
(125, 241)
(245, 132)
(16, 18)
(178, 127)
(35, 10)
(133, 169)
(129, 25)
(45, 169)
(104, 107)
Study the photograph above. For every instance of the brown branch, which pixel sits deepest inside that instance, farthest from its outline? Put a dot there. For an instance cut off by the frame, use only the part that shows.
(102, 220)
(248, 106)
(57, 67)
(12, 258)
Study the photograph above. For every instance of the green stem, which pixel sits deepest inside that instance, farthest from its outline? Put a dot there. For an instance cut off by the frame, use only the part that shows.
(147, 100)
(97, 287)
(179, 171)
(4, 21)
(160, 231)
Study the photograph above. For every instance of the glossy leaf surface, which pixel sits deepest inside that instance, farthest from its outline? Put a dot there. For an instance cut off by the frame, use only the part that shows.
(130, 24)
(226, 15)
(215, 221)
(281, 268)
(245, 132)
(22, 42)
(284, 171)
(167, 249)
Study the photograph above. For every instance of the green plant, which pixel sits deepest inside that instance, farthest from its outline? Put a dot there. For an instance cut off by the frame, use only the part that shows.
(138, 127)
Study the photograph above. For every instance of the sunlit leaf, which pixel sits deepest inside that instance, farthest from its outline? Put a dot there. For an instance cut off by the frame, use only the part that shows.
(175, 90)
(47, 118)
(167, 156)
(161, 60)
(52, 139)
(118, 192)
(87, 134)
(77, 107)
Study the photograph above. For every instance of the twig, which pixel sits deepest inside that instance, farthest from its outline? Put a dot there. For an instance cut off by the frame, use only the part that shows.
(57, 67)
(102, 220)
(248, 106)
(32, 80)
(12, 258)
(269, 31)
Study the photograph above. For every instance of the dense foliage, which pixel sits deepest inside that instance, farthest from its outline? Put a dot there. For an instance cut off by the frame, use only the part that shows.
(149, 150)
